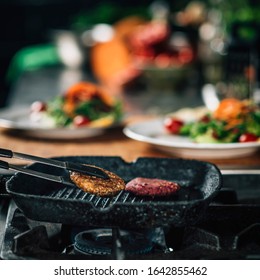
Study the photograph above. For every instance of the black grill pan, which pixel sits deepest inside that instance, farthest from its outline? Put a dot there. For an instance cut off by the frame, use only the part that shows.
(47, 201)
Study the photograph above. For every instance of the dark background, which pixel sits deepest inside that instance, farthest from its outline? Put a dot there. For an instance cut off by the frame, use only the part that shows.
(27, 22)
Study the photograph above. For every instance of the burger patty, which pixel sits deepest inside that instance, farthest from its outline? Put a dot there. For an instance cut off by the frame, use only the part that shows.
(151, 187)
(98, 186)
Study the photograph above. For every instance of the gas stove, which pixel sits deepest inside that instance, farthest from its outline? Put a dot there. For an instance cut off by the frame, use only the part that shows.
(229, 229)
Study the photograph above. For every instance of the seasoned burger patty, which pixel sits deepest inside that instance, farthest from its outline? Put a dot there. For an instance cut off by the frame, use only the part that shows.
(98, 186)
(151, 187)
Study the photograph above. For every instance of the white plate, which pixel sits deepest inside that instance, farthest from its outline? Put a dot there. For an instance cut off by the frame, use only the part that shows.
(153, 132)
(18, 119)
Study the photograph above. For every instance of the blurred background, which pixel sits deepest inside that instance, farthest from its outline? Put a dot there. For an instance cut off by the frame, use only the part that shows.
(136, 42)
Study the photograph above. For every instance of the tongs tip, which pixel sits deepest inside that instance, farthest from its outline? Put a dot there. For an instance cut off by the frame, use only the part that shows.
(84, 169)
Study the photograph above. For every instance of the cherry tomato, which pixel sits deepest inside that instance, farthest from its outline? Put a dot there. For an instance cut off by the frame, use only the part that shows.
(162, 60)
(81, 120)
(205, 119)
(185, 55)
(173, 125)
(247, 137)
(215, 135)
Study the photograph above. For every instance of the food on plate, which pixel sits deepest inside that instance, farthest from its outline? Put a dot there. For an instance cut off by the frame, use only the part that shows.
(230, 109)
(139, 45)
(83, 104)
(151, 187)
(233, 121)
(98, 186)
(153, 45)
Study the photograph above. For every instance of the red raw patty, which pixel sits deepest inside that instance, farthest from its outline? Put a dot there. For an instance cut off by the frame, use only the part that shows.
(151, 187)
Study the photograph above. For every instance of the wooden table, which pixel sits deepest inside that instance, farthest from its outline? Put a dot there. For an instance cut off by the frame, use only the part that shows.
(111, 143)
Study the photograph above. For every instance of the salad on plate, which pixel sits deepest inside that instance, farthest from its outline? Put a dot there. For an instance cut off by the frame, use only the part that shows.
(84, 104)
(234, 121)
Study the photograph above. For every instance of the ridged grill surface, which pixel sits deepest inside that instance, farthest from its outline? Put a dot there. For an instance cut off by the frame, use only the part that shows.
(97, 201)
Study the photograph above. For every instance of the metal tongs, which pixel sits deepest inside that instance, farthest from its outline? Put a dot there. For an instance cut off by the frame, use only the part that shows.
(89, 170)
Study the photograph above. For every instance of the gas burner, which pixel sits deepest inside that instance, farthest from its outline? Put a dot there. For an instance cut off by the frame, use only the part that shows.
(230, 229)
(107, 241)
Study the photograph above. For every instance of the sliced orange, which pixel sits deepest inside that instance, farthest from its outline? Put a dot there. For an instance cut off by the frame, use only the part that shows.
(228, 109)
